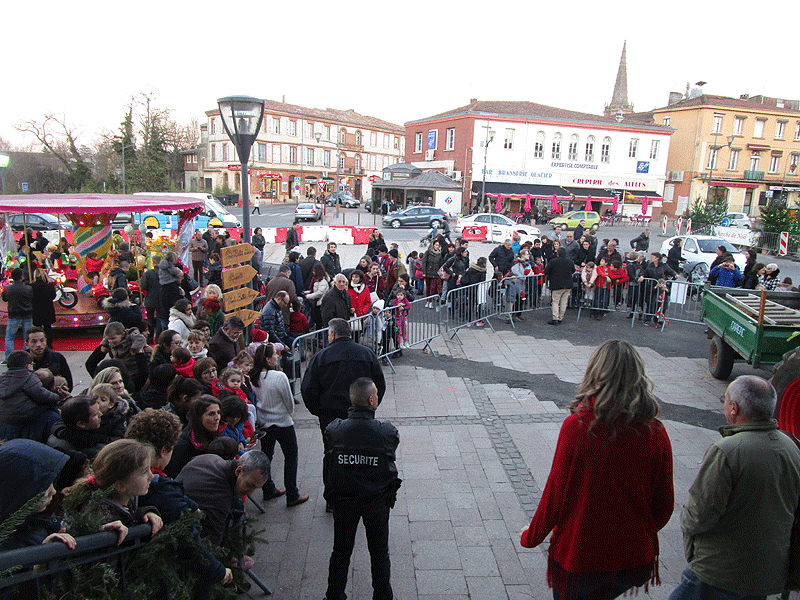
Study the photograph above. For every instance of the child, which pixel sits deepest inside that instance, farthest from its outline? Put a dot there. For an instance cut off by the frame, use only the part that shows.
(233, 415)
(244, 362)
(115, 411)
(374, 327)
(588, 276)
(93, 267)
(196, 344)
(401, 317)
(211, 311)
(56, 259)
(183, 361)
(116, 277)
(298, 324)
(124, 467)
(601, 290)
(225, 447)
(619, 277)
(232, 379)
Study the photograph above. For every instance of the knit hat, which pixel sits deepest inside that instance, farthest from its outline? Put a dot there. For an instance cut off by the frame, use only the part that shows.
(394, 253)
(257, 335)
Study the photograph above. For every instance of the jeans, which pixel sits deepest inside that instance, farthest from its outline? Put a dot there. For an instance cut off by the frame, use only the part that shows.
(345, 524)
(12, 328)
(691, 588)
(285, 436)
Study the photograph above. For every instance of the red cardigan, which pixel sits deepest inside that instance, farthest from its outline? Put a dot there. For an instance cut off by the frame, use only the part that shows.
(605, 500)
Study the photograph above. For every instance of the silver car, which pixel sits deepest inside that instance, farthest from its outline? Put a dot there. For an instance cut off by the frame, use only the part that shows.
(308, 211)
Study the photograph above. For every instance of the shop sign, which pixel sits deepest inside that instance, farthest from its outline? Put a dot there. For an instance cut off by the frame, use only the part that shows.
(605, 181)
(519, 176)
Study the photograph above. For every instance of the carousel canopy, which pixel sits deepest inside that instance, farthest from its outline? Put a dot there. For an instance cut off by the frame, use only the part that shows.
(92, 204)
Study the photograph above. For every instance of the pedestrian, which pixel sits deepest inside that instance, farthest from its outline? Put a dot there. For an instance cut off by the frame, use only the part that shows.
(580, 229)
(362, 485)
(44, 357)
(739, 517)
(610, 490)
(272, 320)
(326, 383)
(330, 260)
(149, 284)
(336, 302)
(283, 282)
(169, 277)
(226, 343)
(320, 284)
(651, 289)
(44, 311)
(307, 266)
(431, 261)
(198, 248)
(258, 242)
(502, 257)
(558, 274)
(727, 274)
(256, 205)
(19, 296)
(641, 243)
(293, 236)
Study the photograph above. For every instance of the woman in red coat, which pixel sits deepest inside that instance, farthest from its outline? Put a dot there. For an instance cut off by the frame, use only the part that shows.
(610, 487)
(359, 293)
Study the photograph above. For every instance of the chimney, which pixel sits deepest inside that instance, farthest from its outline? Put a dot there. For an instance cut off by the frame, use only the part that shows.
(473, 100)
(674, 97)
(283, 98)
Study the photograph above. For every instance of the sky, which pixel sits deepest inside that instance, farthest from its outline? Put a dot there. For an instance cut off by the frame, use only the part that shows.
(394, 61)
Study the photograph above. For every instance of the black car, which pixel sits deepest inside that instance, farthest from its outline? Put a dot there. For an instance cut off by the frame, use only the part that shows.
(415, 216)
(343, 199)
(37, 222)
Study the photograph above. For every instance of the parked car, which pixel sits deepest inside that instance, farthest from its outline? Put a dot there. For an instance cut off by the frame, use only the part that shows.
(572, 219)
(415, 216)
(214, 214)
(37, 222)
(737, 219)
(343, 198)
(697, 248)
(501, 226)
(308, 211)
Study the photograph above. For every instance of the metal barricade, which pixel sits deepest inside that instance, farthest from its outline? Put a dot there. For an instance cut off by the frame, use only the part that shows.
(471, 305)
(660, 302)
(521, 295)
(600, 301)
(770, 241)
(303, 348)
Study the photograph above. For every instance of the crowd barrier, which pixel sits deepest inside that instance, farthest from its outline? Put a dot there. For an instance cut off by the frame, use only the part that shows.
(471, 305)
(521, 295)
(770, 242)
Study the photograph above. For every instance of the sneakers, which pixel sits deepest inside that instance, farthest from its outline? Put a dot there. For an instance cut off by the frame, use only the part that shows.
(479, 324)
(469, 324)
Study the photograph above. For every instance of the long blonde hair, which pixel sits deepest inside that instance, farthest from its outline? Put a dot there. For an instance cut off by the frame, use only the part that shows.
(616, 387)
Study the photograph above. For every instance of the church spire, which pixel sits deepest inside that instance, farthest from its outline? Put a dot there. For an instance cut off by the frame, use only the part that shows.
(619, 100)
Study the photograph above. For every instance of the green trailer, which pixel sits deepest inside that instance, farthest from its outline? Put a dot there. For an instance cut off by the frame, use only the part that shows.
(761, 328)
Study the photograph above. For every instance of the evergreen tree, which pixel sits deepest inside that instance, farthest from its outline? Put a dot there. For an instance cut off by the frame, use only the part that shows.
(707, 211)
(775, 217)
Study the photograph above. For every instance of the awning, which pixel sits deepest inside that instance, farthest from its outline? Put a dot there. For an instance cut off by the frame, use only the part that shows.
(642, 194)
(598, 193)
(95, 204)
(519, 189)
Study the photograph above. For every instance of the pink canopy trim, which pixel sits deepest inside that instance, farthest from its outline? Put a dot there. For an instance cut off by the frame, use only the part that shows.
(615, 204)
(644, 205)
(527, 202)
(93, 204)
(499, 206)
(588, 203)
(553, 204)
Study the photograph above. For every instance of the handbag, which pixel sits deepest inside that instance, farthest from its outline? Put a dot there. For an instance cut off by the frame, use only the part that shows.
(356, 324)
(793, 577)
(443, 274)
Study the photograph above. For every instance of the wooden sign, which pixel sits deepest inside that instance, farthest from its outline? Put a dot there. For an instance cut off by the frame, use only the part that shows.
(239, 297)
(234, 255)
(245, 314)
(237, 276)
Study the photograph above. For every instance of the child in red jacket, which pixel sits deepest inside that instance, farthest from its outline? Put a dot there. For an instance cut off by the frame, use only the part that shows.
(232, 379)
(93, 267)
(183, 362)
(618, 277)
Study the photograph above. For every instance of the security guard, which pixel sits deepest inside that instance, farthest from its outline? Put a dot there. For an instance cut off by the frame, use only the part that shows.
(361, 483)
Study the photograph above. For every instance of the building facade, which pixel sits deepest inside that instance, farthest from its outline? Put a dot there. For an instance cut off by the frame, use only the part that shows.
(297, 150)
(745, 150)
(544, 151)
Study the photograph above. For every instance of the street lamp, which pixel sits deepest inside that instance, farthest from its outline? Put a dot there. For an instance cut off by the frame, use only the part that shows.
(318, 137)
(123, 168)
(489, 138)
(5, 159)
(730, 139)
(241, 118)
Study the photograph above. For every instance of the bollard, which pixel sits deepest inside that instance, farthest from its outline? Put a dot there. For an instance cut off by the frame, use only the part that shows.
(783, 249)
(688, 227)
(664, 225)
(678, 223)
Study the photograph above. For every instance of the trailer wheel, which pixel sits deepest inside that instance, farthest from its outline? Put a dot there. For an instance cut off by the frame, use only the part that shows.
(785, 373)
(720, 358)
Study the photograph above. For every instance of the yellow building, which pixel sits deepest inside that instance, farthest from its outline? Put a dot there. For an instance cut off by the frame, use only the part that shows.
(745, 150)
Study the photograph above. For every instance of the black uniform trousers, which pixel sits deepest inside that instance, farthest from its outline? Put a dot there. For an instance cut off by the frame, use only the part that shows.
(345, 523)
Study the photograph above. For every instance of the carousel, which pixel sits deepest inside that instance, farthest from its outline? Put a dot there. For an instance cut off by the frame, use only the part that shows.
(87, 234)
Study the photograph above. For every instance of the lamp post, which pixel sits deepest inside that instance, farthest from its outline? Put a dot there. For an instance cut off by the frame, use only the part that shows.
(338, 168)
(489, 138)
(730, 139)
(318, 137)
(241, 118)
(123, 168)
(5, 159)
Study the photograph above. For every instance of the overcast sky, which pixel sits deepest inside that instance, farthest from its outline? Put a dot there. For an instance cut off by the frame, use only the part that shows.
(84, 59)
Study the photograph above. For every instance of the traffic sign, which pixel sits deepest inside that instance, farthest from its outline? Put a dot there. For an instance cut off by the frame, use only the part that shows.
(239, 297)
(234, 255)
(726, 222)
(245, 314)
(237, 276)
(321, 185)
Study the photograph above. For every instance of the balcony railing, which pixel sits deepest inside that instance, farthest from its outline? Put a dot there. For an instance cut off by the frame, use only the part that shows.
(755, 175)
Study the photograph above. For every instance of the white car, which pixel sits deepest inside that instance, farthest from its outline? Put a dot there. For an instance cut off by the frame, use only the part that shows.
(308, 211)
(737, 219)
(703, 248)
(501, 227)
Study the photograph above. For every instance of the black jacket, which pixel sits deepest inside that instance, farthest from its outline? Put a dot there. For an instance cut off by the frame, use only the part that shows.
(558, 273)
(151, 287)
(361, 460)
(326, 383)
(20, 299)
(214, 274)
(292, 239)
(44, 312)
(130, 315)
(307, 269)
(335, 304)
(641, 243)
(662, 271)
(117, 279)
(271, 323)
(56, 363)
(502, 258)
(223, 349)
(332, 263)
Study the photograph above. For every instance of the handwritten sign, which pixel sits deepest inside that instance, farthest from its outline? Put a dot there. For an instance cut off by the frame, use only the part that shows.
(234, 255)
(239, 297)
(245, 314)
(237, 276)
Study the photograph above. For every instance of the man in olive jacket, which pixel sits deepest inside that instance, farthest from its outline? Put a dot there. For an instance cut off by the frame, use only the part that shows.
(738, 521)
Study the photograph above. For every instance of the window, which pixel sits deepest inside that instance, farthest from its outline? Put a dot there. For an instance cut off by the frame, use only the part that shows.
(667, 121)
(449, 142)
(309, 130)
(717, 125)
(418, 142)
(261, 153)
(538, 148)
(589, 149)
(738, 125)
(292, 127)
(573, 147)
(397, 141)
(326, 158)
(310, 156)
(633, 148)
(341, 161)
(328, 132)
(780, 130)
(225, 152)
(793, 159)
(358, 163)
(358, 138)
(509, 143)
(342, 135)
(712, 158)
(213, 125)
(556, 153)
(274, 125)
(733, 160)
(605, 150)
(213, 152)
(385, 141)
(373, 162)
(654, 149)
(754, 160)
(797, 132)
(292, 155)
(758, 130)
(373, 139)
(276, 153)
(774, 163)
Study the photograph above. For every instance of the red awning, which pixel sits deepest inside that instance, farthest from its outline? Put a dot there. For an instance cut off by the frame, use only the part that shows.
(272, 176)
(93, 204)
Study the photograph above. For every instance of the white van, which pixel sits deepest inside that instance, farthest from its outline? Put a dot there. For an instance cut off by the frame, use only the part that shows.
(213, 211)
